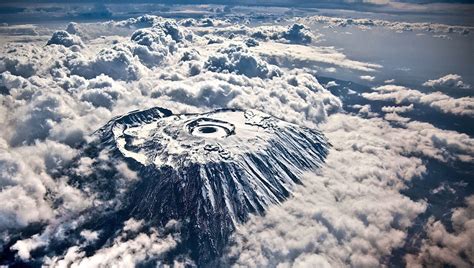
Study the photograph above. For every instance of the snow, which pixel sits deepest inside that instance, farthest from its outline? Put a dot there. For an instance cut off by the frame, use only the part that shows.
(199, 138)
(260, 154)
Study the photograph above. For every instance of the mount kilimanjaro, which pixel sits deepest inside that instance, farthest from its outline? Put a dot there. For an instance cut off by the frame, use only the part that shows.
(209, 172)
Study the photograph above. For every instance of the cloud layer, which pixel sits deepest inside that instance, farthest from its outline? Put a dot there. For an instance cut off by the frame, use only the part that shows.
(449, 80)
(349, 213)
(436, 100)
(443, 247)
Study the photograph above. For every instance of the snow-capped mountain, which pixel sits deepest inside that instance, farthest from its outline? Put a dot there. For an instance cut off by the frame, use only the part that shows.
(209, 170)
(206, 172)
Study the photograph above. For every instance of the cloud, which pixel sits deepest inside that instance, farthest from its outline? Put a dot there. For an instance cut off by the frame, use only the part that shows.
(336, 219)
(350, 212)
(27, 178)
(237, 59)
(365, 110)
(66, 39)
(296, 33)
(287, 54)
(54, 96)
(102, 91)
(128, 61)
(332, 84)
(293, 97)
(442, 247)
(18, 30)
(39, 118)
(133, 245)
(436, 100)
(156, 43)
(449, 81)
(286, 46)
(397, 109)
(367, 77)
(398, 26)
(18, 66)
(117, 62)
(90, 236)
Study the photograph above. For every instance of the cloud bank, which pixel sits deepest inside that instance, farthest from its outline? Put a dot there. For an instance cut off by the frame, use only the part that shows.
(443, 247)
(349, 213)
(449, 80)
(436, 100)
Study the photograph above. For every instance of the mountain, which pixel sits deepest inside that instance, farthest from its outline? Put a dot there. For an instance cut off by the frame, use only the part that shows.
(207, 171)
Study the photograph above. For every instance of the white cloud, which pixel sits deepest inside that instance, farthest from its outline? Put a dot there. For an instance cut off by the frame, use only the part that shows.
(89, 236)
(350, 212)
(397, 26)
(338, 217)
(332, 84)
(367, 77)
(331, 70)
(296, 33)
(450, 81)
(442, 247)
(365, 110)
(128, 249)
(437, 100)
(117, 62)
(65, 38)
(395, 117)
(24, 247)
(293, 97)
(237, 59)
(55, 96)
(293, 53)
(397, 109)
(132, 225)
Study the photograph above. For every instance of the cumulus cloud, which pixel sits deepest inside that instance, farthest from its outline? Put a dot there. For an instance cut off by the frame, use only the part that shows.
(237, 59)
(365, 110)
(24, 190)
(367, 77)
(287, 54)
(296, 33)
(66, 39)
(155, 43)
(90, 236)
(53, 97)
(335, 218)
(398, 26)
(117, 62)
(132, 246)
(332, 84)
(437, 100)
(397, 109)
(18, 65)
(450, 81)
(442, 247)
(294, 96)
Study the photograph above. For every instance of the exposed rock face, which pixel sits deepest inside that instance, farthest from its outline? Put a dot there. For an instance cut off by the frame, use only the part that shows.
(209, 172)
